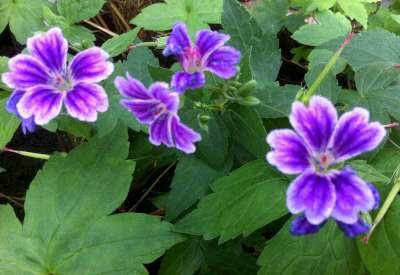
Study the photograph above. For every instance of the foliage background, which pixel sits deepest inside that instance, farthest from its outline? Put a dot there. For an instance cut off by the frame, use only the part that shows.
(111, 203)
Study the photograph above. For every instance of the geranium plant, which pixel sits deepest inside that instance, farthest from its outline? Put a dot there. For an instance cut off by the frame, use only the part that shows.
(199, 137)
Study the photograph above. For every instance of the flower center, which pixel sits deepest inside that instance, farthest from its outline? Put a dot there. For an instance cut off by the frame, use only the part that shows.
(61, 82)
(159, 109)
(192, 60)
(323, 161)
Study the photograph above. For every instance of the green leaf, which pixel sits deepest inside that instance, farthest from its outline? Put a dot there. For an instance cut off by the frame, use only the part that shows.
(80, 182)
(214, 145)
(384, 19)
(382, 254)
(375, 92)
(329, 26)
(188, 257)
(368, 172)
(25, 17)
(355, 9)
(265, 58)
(119, 44)
(271, 15)
(184, 258)
(68, 225)
(248, 130)
(5, 11)
(276, 101)
(138, 62)
(387, 159)
(78, 36)
(75, 127)
(191, 182)
(8, 124)
(12, 261)
(162, 16)
(3, 69)
(327, 252)
(249, 198)
(77, 10)
(239, 24)
(372, 47)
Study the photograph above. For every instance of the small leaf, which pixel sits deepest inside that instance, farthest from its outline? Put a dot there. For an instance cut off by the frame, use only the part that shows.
(77, 10)
(329, 26)
(119, 44)
(355, 9)
(249, 198)
(25, 17)
(162, 16)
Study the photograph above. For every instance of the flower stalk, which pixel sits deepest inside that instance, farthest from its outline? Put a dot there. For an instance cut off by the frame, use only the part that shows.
(307, 94)
(28, 154)
(386, 205)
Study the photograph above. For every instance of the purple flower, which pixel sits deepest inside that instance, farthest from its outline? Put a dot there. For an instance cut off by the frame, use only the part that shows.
(158, 108)
(208, 53)
(27, 125)
(49, 83)
(321, 142)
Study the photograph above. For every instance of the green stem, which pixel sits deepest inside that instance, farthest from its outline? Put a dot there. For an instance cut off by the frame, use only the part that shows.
(28, 154)
(306, 95)
(386, 205)
(145, 44)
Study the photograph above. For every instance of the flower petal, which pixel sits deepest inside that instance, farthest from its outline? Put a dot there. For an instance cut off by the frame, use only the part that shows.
(25, 72)
(352, 196)
(377, 196)
(11, 104)
(161, 92)
(208, 41)
(300, 226)
(312, 194)
(184, 137)
(132, 88)
(160, 131)
(27, 125)
(182, 81)
(355, 229)
(223, 61)
(354, 135)
(177, 41)
(144, 110)
(42, 102)
(316, 123)
(288, 153)
(85, 100)
(91, 66)
(50, 48)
